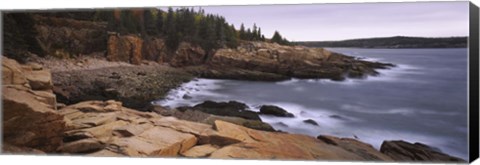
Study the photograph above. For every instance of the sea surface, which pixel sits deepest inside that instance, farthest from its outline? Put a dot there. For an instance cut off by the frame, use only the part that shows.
(423, 99)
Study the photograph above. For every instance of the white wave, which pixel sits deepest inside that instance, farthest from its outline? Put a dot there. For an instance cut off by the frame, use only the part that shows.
(288, 82)
(187, 92)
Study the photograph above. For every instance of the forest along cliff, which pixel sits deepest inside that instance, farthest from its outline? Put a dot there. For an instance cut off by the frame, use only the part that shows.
(77, 83)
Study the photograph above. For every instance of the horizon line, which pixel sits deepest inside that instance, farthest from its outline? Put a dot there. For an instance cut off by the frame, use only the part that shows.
(380, 37)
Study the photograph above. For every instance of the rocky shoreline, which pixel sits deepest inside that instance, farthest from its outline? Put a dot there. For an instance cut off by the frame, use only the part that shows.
(35, 123)
(85, 90)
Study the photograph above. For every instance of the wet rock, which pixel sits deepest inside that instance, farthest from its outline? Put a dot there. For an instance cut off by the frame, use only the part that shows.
(310, 121)
(404, 151)
(337, 117)
(231, 108)
(275, 110)
(186, 97)
(282, 124)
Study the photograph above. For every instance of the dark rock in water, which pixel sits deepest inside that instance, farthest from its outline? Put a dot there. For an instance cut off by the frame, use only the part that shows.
(186, 97)
(310, 121)
(337, 117)
(275, 111)
(404, 151)
(231, 108)
(282, 124)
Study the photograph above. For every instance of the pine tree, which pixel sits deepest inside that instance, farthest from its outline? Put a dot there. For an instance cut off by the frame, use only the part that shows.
(259, 35)
(254, 33)
(248, 35)
(277, 38)
(173, 37)
(242, 32)
(149, 23)
(159, 23)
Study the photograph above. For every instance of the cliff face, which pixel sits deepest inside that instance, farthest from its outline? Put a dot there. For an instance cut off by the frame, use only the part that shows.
(62, 37)
(133, 49)
(125, 48)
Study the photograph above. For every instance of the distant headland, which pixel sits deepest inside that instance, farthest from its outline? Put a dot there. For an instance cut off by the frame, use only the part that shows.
(393, 42)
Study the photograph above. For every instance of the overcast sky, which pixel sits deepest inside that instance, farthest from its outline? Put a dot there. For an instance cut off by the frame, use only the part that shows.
(321, 22)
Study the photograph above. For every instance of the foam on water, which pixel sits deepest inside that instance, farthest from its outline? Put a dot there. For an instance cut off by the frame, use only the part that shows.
(187, 93)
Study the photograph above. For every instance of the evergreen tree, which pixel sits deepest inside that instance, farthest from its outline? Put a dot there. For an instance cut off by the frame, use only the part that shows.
(259, 35)
(231, 36)
(248, 35)
(254, 33)
(173, 37)
(112, 24)
(159, 23)
(129, 23)
(149, 23)
(242, 32)
(277, 38)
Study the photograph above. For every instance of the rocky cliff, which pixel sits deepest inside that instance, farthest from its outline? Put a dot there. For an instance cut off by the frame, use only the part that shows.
(270, 61)
(29, 108)
(62, 37)
(133, 49)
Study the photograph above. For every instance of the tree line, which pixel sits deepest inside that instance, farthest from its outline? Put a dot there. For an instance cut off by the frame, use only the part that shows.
(209, 31)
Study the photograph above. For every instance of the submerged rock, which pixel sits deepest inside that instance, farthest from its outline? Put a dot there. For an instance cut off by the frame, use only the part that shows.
(403, 151)
(275, 110)
(310, 121)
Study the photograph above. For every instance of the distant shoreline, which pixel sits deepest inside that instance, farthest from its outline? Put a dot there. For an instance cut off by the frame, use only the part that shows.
(398, 42)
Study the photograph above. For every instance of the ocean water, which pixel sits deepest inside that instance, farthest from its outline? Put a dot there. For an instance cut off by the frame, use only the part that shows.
(423, 99)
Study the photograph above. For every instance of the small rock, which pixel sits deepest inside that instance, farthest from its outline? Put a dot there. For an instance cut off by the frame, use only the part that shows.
(282, 124)
(337, 117)
(187, 97)
(274, 110)
(115, 77)
(310, 121)
(141, 73)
